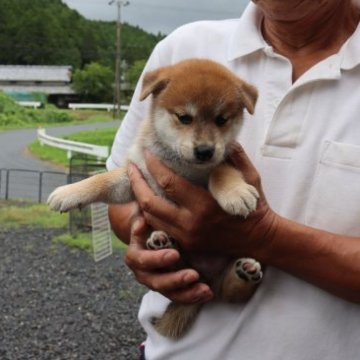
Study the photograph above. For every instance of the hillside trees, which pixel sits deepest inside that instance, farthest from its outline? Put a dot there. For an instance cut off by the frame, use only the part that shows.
(48, 32)
(94, 83)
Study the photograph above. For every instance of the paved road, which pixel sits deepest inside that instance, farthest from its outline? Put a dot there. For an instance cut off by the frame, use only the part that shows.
(13, 145)
(29, 184)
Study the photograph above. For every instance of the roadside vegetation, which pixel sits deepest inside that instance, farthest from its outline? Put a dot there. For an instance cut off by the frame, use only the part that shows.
(15, 116)
(16, 214)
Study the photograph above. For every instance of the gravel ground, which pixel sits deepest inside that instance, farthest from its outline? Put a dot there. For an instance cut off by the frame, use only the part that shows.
(57, 303)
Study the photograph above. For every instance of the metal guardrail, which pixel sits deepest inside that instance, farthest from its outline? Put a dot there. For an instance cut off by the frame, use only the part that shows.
(108, 107)
(101, 152)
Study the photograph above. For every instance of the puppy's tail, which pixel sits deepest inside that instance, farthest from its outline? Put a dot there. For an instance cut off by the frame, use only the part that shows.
(176, 320)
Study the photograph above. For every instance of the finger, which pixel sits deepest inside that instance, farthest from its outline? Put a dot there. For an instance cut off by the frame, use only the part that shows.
(137, 257)
(181, 286)
(195, 293)
(167, 282)
(139, 233)
(147, 199)
(240, 159)
(176, 188)
(170, 227)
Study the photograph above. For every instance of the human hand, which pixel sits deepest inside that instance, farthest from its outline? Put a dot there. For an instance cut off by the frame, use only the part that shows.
(195, 219)
(151, 268)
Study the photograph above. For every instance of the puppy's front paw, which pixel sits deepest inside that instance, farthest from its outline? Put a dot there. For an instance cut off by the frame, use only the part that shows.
(240, 200)
(65, 198)
(159, 240)
(249, 270)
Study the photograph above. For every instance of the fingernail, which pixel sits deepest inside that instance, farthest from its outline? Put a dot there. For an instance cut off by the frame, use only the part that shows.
(189, 278)
(169, 257)
(203, 295)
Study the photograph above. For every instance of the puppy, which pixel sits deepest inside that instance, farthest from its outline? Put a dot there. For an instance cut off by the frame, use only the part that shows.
(196, 113)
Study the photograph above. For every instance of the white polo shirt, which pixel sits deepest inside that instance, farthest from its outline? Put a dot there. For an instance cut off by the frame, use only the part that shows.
(305, 141)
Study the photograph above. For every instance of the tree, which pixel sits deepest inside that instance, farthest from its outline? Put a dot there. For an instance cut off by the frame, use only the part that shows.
(94, 82)
(134, 72)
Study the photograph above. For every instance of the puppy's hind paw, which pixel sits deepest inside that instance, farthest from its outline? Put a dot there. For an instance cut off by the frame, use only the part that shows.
(249, 270)
(159, 240)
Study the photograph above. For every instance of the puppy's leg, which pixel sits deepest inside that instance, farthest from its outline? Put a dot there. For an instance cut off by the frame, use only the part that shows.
(109, 187)
(240, 280)
(177, 318)
(230, 190)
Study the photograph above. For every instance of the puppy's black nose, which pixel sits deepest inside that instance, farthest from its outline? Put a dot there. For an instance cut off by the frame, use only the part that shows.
(204, 152)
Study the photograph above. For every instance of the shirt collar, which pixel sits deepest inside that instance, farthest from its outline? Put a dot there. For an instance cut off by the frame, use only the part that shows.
(247, 37)
(350, 52)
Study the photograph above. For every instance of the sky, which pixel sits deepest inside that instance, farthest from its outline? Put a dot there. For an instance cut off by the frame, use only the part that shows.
(160, 15)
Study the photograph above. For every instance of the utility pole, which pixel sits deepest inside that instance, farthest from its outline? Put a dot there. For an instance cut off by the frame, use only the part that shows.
(117, 87)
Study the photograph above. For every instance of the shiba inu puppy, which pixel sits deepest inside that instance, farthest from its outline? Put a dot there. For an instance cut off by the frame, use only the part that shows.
(196, 113)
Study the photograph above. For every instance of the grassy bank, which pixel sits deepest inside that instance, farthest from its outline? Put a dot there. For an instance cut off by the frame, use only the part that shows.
(15, 116)
(14, 215)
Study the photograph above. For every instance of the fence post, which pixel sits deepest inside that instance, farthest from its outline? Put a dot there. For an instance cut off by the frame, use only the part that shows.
(7, 185)
(40, 186)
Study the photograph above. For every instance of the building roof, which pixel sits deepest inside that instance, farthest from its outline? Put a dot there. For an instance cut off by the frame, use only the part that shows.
(35, 73)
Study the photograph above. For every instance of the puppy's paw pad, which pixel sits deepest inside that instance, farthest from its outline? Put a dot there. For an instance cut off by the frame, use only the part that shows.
(241, 200)
(64, 199)
(249, 270)
(160, 240)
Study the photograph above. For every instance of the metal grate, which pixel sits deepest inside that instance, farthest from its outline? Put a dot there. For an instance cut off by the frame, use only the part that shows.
(101, 231)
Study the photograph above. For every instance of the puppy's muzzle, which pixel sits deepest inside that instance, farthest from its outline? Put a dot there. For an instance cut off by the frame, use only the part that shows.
(204, 152)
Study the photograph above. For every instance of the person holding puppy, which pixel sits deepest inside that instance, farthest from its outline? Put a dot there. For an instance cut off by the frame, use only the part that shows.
(301, 150)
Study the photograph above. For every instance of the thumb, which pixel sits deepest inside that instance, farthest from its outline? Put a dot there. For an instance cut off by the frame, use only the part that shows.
(241, 161)
(139, 232)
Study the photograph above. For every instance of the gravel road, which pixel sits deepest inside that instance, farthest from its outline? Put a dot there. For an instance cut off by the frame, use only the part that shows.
(57, 303)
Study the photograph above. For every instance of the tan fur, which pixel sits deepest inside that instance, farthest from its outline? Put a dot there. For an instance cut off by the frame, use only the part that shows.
(212, 99)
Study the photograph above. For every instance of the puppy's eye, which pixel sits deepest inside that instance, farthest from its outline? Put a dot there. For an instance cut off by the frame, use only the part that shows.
(185, 119)
(220, 120)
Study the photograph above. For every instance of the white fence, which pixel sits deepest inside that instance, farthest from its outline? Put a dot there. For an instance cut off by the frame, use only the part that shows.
(100, 152)
(32, 104)
(108, 107)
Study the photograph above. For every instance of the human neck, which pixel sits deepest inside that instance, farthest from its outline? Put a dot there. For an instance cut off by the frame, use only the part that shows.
(310, 38)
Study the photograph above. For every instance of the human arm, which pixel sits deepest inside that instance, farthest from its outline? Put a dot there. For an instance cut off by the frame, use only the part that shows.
(329, 261)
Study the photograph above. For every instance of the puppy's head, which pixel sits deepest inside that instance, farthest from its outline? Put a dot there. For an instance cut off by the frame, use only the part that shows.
(197, 109)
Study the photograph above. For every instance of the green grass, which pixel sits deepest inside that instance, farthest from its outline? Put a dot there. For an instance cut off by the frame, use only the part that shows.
(102, 137)
(13, 215)
(83, 241)
(14, 116)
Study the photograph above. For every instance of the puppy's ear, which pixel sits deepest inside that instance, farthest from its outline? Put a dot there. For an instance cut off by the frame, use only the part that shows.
(249, 96)
(154, 82)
